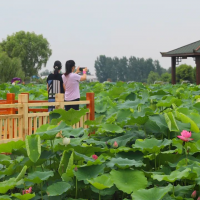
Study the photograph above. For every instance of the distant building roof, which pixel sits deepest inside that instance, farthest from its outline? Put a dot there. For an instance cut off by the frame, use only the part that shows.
(189, 50)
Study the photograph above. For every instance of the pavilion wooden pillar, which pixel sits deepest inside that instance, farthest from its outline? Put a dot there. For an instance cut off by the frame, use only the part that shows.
(173, 70)
(198, 70)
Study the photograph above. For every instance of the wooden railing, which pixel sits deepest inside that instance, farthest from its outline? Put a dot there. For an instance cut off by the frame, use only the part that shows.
(16, 126)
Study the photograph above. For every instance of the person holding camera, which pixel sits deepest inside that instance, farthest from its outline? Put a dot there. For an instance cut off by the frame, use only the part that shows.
(71, 83)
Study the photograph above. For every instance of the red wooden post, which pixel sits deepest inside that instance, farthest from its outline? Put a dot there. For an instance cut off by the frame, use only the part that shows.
(90, 97)
(10, 100)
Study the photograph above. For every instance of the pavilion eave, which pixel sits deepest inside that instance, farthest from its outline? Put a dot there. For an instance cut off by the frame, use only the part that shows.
(165, 54)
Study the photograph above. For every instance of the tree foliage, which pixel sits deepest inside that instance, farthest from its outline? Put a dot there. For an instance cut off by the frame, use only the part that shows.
(152, 77)
(166, 77)
(185, 72)
(123, 69)
(33, 50)
(10, 68)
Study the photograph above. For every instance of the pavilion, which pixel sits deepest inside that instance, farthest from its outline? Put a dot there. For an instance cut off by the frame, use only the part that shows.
(190, 50)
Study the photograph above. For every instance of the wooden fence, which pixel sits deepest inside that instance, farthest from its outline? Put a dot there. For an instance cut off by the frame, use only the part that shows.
(21, 118)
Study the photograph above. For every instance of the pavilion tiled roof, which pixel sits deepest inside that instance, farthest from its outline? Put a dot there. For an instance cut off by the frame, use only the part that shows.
(187, 50)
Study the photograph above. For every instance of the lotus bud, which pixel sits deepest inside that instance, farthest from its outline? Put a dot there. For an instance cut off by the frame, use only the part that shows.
(66, 141)
(76, 169)
(198, 198)
(94, 157)
(194, 194)
(115, 145)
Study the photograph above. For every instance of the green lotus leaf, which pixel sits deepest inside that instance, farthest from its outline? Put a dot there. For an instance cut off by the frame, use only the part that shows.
(24, 196)
(7, 185)
(151, 145)
(156, 193)
(96, 142)
(89, 172)
(105, 192)
(73, 132)
(185, 119)
(5, 160)
(64, 162)
(178, 144)
(113, 128)
(156, 124)
(100, 107)
(38, 177)
(128, 180)
(171, 121)
(69, 168)
(129, 104)
(169, 101)
(102, 182)
(5, 197)
(180, 190)
(49, 132)
(175, 175)
(76, 199)
(124, 139)
(9, 170)
(96, 122)
(33, 147)
(22, 173)
(123, 115)
(70, 117)
(10, 146)
(124, 163)
(58, 188)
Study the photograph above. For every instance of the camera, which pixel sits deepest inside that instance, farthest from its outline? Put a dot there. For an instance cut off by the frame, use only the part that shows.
(81, 68)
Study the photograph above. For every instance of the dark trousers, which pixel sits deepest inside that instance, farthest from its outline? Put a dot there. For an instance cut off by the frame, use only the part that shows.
(75, 107)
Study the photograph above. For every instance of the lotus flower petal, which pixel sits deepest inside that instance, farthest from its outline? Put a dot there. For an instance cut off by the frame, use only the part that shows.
(186, 134)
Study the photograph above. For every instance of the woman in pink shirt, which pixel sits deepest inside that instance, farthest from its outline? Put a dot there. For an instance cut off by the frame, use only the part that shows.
(71, 83)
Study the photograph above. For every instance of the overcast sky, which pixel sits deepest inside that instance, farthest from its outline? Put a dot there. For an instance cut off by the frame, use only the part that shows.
(84, 29)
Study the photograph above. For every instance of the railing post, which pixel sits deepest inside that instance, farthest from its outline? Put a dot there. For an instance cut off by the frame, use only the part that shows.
(59, 97)
(10, 100)
(10, 97)
(90, 97)
(23, 99)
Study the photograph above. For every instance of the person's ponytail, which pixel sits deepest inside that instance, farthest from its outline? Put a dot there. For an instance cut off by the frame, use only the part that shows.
(68, 67)
(57, 67)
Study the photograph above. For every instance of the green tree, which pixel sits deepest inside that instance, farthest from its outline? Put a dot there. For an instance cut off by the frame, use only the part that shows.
(153, 76)
(10, 68)
(33, 50)
(185, 72)
(103, 66)
(166, 77)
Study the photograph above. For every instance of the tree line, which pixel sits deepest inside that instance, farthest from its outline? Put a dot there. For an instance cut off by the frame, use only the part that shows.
(139, 70)
(126, 69)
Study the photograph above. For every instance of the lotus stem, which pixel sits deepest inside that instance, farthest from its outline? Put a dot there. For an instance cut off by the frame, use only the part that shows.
(155, 161)
(76, 189)
(99, 195)
(41, 191)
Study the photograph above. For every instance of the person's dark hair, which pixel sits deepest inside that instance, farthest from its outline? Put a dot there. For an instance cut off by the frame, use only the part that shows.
(57, 66)
(68, 67)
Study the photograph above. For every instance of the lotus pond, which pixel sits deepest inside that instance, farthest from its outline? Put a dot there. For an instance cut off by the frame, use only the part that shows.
(134, 154)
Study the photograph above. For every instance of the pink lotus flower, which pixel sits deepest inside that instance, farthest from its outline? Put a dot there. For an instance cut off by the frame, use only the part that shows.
(185, 136)
(27, 191)
(194, 194)
(94, 157)
(115, 145)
